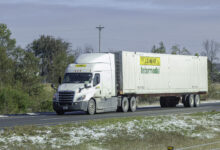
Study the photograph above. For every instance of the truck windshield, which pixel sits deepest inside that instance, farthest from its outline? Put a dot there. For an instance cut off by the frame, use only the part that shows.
(77, 77)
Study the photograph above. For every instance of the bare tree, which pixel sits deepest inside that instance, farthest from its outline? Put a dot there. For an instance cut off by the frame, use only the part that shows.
(88, 49)
(78, 51)
(211, 49)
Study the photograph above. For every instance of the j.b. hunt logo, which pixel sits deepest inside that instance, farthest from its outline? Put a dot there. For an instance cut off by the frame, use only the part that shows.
(150, 70)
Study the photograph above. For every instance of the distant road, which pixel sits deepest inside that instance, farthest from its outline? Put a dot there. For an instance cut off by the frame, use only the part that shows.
(51, 118)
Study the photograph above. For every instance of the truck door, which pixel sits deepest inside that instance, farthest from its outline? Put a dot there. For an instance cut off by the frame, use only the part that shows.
(97, 85)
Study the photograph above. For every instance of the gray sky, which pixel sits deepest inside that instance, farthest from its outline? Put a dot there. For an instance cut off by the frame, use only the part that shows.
(129, 25)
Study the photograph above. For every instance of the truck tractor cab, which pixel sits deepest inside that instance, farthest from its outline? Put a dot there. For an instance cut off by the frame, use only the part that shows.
(86, 84)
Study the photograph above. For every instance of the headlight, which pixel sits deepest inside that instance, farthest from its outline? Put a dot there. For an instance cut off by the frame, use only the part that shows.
(81, 98)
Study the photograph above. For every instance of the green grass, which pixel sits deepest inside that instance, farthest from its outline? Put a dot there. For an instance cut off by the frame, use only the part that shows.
(119, 133)
(213, 93)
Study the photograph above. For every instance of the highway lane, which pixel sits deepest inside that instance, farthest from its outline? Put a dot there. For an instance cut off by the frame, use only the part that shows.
(51, 118)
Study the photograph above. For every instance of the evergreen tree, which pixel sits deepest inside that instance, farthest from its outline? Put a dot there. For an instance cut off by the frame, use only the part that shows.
(53, 54)
(161, 48)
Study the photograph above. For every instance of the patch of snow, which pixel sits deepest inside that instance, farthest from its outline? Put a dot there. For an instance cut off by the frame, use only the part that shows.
(15, 138)
(37, 139)
(185, 125)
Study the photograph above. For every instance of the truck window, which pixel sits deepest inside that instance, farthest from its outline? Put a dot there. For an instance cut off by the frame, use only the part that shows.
(77, 77)
(96, 79)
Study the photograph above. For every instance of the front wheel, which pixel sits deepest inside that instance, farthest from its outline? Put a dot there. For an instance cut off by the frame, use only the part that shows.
(91, 107)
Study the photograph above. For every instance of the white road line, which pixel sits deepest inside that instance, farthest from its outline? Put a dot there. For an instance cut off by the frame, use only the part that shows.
(3, 116)
(32, 114)
(52, 119)
(56, 118)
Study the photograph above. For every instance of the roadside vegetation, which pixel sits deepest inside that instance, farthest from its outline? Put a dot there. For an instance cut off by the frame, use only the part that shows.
(26, 73)
(125, 133)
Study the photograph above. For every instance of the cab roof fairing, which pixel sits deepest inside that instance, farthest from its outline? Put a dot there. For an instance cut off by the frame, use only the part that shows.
(92, 58)
(98, 67)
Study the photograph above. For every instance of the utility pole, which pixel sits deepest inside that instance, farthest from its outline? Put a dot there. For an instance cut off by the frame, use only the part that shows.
(99, 28)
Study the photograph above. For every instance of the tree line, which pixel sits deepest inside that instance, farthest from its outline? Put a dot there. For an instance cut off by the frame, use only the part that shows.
(211, 49)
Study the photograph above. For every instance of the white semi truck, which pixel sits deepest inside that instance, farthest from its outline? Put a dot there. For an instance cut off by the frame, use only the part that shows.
(103, 82)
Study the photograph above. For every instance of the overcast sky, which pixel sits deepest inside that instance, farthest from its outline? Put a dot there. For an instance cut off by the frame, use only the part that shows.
(129, 25)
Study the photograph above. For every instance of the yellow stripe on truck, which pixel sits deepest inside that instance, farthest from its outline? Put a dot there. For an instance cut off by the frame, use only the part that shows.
(80, 65)
(150, 61)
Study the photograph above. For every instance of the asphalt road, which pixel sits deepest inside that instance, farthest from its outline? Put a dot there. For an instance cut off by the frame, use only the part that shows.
(51, 118)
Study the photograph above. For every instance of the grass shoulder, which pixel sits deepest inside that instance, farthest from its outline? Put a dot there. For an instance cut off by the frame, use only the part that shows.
(155, 132)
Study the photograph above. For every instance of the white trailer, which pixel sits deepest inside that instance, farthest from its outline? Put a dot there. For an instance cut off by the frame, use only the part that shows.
(102, 82)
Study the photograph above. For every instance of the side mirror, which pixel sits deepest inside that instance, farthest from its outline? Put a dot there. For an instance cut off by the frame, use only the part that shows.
(87, 85)
(53, 86)
(59, 80)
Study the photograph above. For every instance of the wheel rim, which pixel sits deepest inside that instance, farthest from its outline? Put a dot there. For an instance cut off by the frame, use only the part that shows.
(125, 104)
(197, 100)
(91, 107)
(133, 104)
(191, 101)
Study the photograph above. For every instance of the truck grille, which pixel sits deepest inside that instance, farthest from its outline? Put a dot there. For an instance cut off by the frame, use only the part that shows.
(66, 97)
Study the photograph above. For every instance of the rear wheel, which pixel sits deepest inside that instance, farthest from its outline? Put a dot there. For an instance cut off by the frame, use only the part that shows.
(196, 100)
(91, 107)
(132, 104)
(189, 101)
(124, 104)
(185, 100)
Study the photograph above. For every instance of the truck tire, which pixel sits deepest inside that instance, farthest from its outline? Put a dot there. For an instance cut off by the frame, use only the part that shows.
(91, 107)
(124, 104)
(190, 101)
(60, 112)
(132, 104)
(185, 100)
(196, 100)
